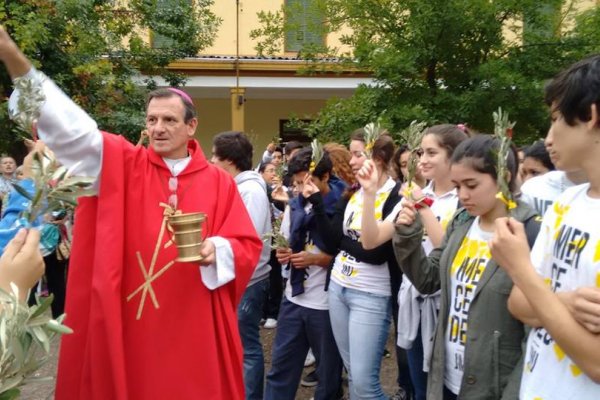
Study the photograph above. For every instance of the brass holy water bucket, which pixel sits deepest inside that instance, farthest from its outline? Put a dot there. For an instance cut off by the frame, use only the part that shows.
(187, 234)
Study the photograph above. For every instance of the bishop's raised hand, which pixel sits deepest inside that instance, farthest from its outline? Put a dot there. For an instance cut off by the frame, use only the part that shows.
(16, 62)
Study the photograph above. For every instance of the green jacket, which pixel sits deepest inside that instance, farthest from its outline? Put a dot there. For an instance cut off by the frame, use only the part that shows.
(493, 360)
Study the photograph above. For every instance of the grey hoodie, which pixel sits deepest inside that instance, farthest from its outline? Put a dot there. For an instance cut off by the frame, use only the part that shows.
(253, 189)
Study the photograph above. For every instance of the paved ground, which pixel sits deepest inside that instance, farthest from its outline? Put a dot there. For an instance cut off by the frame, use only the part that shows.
(388, 367)
(45, 390)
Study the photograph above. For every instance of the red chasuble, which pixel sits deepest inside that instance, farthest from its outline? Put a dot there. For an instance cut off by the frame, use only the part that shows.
(187, 348)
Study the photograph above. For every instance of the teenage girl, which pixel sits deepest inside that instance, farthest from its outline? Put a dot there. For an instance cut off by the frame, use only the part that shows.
(417, 314)
(477, 344)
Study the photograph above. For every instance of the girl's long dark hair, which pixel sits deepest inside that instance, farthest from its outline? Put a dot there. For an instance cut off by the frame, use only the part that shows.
(481, 152)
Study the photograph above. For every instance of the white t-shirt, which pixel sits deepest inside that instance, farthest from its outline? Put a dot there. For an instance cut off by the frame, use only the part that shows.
(443, 208)
(567, 255)
(409, 299)
(285, 231)
(466, 271)
(351, 273)
(540, 192)
(314, 295)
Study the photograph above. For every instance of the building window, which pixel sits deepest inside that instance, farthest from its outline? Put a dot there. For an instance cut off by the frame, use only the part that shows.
(542, 20)
(305, 24)
(165, 7)
(288, 132)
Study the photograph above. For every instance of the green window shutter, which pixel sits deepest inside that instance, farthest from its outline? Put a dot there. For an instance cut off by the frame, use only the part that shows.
(306, 25)
(164, 6)
(313, 19)
(160, 41)
(542, 20)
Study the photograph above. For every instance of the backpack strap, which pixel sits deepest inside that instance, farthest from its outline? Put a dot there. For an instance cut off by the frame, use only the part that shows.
(392, 200)
(532, 228)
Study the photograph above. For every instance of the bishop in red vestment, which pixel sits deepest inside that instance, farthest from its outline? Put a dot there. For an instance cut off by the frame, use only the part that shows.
(145, 326)
(186, 346)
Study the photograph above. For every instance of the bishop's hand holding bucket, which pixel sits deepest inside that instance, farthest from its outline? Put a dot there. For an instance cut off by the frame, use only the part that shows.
(187, 235)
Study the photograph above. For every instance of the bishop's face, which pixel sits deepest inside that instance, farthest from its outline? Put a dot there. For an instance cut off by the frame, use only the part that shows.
(167, 130)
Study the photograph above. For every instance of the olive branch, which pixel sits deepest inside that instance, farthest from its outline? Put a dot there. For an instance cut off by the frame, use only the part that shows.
(503, 130)
(372, 132)
(54, 188)
(317, 155)
(412, 136)
(275, 238)
(25, 332)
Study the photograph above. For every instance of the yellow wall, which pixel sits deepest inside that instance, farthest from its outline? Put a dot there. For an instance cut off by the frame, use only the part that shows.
(513, 29)
(333, 39)
(225, 40)
(262, 119)
(214, 116)
(226, 37)
(578, 7)
(248, 20)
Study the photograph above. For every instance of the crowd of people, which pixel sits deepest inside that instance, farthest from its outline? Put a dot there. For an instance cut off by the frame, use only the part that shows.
(55, 228)
(363, 252)
(426, 264)
(489, 298)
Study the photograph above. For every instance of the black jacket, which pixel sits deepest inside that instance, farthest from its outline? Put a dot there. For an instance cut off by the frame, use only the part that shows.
(332, 232)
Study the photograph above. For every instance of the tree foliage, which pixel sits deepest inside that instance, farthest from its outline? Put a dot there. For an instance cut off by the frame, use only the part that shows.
(444, 61)
(96, 50)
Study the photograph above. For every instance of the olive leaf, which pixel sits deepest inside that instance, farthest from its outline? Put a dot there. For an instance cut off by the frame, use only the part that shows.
(411, 137)
(372, 132)
(317, 154)
(503, 131)
(25, 337)
(29, 103)
(54, 188)
(275, 238)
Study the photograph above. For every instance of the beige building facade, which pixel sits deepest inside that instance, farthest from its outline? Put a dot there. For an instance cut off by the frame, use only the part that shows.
(233, 89)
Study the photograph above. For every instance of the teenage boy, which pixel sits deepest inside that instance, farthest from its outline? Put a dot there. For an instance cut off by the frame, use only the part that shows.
(232, 151)
(303, 320)
(556, 289)
(540, 192)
